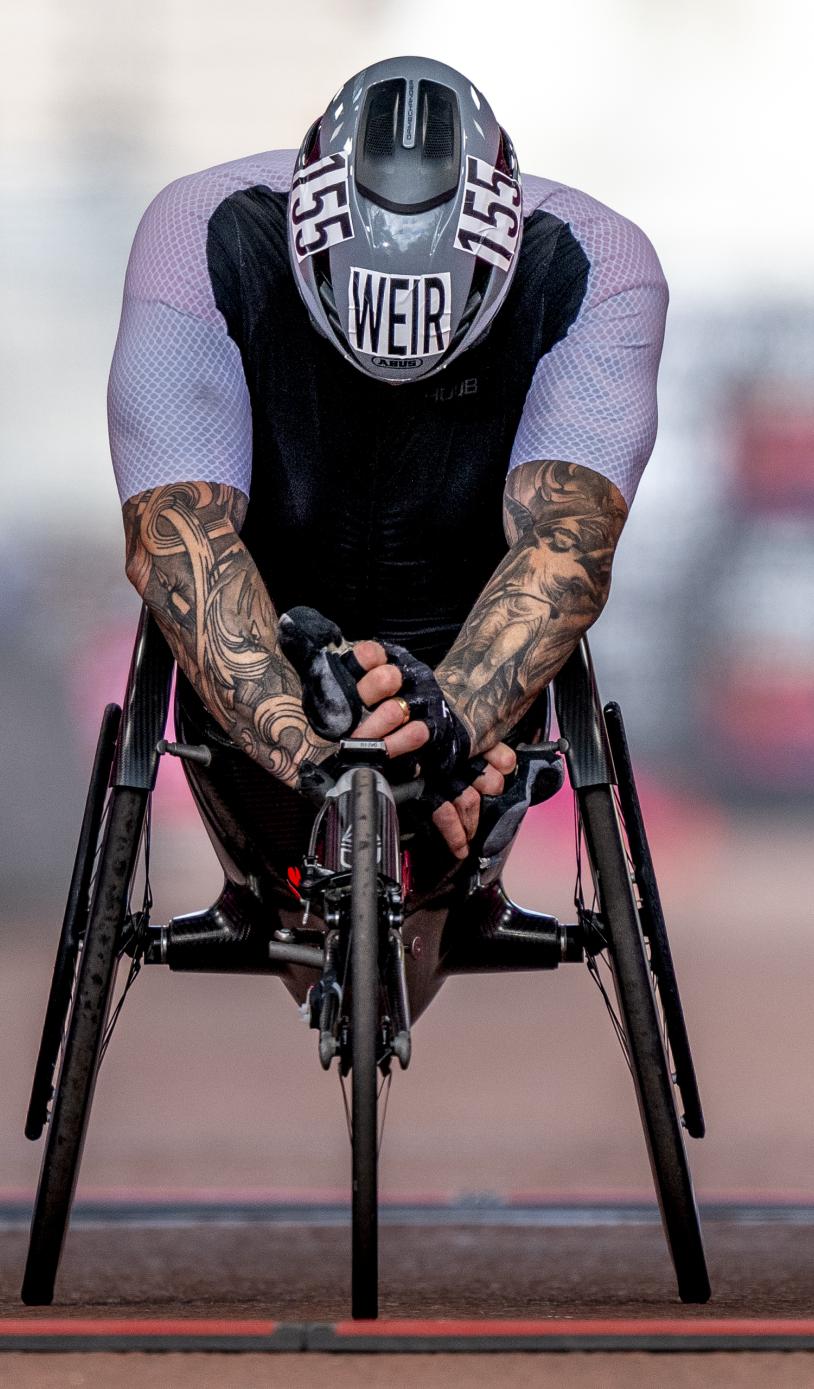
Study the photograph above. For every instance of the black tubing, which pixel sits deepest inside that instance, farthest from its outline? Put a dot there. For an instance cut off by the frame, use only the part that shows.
(364, 948)
(649, 1063)
(80, 1058)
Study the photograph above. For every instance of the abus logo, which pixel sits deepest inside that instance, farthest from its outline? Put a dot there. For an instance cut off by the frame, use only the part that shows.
(399, 315)
(400, 363)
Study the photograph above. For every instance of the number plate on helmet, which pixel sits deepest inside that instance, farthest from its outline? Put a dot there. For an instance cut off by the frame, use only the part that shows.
(318, 207)
(489, 224)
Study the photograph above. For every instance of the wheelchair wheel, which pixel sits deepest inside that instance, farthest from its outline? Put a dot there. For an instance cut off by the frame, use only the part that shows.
(653, 926)
(364, 976)
(81, 1052)
(642, 1038)
(74, 924)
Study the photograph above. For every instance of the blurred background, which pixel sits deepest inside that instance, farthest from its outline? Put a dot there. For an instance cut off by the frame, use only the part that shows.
(693, 119)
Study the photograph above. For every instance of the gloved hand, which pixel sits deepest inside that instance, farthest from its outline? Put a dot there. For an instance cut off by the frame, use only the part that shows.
(328, 670)
(347, 692)
(446, 755)
(539, 774)
(340, 691)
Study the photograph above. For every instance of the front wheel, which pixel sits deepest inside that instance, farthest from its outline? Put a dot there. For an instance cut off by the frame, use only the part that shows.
(81, 1052)
(364, 975)
(643, 1041)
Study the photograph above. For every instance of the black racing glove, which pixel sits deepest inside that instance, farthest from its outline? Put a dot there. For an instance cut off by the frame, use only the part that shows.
(328, 670)
(446, 760)
(538, 776)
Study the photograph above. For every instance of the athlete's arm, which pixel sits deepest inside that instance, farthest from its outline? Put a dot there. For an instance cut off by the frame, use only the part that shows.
(187, 561)
(563, 523)
(593, 402)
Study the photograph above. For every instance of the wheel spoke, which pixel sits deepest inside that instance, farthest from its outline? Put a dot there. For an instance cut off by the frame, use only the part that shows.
(616, 1021)
(348, 1119)
(384, 1089)
(134, 934)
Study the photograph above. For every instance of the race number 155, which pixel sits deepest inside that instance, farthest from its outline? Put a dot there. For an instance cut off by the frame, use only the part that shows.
(489, 224)
(318, 208)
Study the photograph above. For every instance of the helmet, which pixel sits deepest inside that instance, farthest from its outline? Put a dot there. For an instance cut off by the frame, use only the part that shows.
(405, 218)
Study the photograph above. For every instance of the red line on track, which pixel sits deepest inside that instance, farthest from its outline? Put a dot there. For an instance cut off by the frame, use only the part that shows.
(99, 1326)
(621, 1328)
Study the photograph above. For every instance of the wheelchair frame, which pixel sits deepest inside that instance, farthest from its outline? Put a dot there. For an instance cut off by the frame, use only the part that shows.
(474, 928)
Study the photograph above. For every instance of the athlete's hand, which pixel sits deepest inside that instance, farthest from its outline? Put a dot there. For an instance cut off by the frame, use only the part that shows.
(376, 688)
(458, 820)
(455, 820)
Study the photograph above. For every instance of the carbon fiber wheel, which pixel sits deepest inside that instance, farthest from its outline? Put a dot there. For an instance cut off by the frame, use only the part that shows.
(364, 972)
(74, 925)
(642, 1039)
(653, 926)
(88, 1011)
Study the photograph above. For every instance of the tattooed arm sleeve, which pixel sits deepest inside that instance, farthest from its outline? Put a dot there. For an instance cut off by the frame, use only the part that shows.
(562, 522)
(186, 559)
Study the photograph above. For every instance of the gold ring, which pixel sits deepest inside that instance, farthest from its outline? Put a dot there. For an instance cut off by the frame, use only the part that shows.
(405, 709)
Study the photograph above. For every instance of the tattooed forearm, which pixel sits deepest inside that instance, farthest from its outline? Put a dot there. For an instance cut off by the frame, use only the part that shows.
(562, 522)
(186, 558)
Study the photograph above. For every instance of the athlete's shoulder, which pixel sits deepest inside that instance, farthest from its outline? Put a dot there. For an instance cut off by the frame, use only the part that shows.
(199, 193)
(620, 254)
(190, 200)
(170, 243)
(593, 397)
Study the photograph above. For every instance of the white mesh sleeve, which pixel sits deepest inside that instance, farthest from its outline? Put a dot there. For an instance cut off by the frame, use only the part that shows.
(178, 405)
(593, 396)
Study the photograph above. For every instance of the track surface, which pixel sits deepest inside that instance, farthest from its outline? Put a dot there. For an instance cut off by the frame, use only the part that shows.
(546, 1264)
(299, 1272)
(575, 1371)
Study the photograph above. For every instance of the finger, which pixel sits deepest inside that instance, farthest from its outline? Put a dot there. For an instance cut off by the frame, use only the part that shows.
(379, 683)
(501, 756)
(448, 822)
(387, 721)
(384, 719)
(370, 654)
(468, 807)
(490, 783)
(407, 739)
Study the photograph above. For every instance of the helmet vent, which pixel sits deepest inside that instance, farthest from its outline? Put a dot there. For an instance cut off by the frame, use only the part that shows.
(309, 152)
(438, 122)
(477, 293)
(382, 120)
(409, 178)
(328, 299)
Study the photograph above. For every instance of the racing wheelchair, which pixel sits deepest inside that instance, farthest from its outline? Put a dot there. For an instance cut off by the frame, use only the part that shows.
(363, 938)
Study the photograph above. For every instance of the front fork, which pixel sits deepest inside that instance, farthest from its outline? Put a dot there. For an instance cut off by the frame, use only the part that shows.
(325, 1008)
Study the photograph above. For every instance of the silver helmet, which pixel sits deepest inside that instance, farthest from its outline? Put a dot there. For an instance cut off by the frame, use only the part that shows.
(405, 218)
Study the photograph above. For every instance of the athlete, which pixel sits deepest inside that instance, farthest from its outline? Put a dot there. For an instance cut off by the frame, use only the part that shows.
(388, 379)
